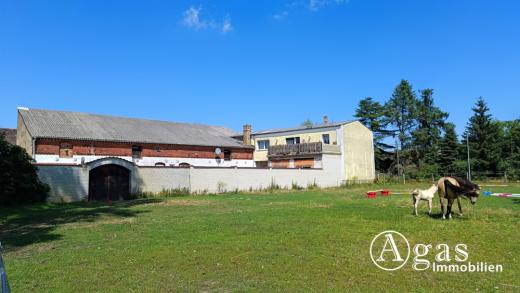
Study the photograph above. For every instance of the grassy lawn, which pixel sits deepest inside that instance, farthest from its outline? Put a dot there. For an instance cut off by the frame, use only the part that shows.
(314, 240)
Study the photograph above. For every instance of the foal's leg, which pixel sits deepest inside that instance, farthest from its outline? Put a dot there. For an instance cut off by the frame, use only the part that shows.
(460, 207)
(450, 203)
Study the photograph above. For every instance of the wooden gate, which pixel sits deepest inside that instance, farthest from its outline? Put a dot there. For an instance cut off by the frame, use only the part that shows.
(108, 183)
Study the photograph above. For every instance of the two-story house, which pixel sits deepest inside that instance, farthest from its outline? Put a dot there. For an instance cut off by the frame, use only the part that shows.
(350, 143)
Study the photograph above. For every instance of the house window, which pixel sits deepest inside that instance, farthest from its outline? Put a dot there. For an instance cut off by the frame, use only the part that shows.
(92, 150)
(325, 138)
(137, 152)
(184, 165)
(292, 140)
(66, 150)
(160, 164)
(263, 144)
(227, 155)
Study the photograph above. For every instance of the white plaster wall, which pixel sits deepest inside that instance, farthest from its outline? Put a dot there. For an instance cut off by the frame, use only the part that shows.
(67, 183)
(70, 183)
(148, 161)
(358, 152)
(157, 179)
(205, 179)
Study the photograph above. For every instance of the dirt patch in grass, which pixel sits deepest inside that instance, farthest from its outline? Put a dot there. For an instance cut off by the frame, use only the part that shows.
(108, 221)
(181, 202)
(316, 205)
(281, 203)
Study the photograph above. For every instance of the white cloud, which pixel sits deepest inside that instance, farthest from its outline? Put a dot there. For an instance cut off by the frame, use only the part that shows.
(192, 18)
(315, 5)
(226, 26)
(281, 15)
(311, 5)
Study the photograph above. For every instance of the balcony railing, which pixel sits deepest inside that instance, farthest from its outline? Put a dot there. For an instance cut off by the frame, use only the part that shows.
(295, 150)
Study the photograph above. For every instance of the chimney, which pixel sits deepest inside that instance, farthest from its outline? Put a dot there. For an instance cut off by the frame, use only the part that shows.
(246, 134)
(325, 119)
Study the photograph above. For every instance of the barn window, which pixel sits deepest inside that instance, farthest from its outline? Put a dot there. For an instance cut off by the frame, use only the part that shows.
(92, 149)
(137, 151)
(227, 155)
(160, 164)
(66, 150)
(184, 165)
(158, 149)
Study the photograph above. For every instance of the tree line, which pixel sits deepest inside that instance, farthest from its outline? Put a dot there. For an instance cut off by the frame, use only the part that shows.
(19, 182)
(412, 137)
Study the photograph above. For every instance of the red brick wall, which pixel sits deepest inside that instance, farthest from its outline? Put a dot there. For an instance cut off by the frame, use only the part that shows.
(100, 148)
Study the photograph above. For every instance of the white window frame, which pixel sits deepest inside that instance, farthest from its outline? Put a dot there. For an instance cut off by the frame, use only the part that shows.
(265, 144)
(296, 140)
(323, 138)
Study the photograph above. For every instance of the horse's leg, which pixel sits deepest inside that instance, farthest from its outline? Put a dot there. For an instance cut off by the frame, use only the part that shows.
(460, 207)
(430, 206)
(442, 207)
(450, 203)
(415, 204)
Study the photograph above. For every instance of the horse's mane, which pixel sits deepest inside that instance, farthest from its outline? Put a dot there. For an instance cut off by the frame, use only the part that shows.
(466, 184)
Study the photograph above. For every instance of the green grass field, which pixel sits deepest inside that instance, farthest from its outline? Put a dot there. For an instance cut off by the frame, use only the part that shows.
(315, 240)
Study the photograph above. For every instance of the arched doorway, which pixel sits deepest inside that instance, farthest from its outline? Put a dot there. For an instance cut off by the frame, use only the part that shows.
(109, 182)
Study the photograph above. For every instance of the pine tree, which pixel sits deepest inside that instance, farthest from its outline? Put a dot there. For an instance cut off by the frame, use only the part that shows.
(510, 143)
(371, 114)
(430, 121)
(449, 146)
(307, 123)
(401, 112)
(484, 139)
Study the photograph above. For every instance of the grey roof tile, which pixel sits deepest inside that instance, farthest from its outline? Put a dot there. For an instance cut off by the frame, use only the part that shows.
(315, 126)
(73, 125)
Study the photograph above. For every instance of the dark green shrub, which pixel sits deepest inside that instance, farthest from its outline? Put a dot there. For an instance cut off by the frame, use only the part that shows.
(19, 182)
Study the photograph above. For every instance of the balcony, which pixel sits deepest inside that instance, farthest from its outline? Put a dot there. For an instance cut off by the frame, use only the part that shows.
(300, 150)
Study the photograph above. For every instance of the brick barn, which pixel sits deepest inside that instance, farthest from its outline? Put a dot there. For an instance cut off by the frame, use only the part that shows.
(107, 145)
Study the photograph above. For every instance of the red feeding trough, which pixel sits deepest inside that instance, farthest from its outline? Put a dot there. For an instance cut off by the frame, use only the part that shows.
(371, 194)
(385, 192)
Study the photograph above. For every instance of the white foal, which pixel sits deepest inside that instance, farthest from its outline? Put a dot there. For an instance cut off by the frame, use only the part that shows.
(428, 194)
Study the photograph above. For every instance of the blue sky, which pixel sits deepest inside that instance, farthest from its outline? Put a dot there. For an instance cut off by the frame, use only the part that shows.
(268, 63)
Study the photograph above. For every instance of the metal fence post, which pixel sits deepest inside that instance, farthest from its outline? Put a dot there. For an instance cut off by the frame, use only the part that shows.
(4, 285)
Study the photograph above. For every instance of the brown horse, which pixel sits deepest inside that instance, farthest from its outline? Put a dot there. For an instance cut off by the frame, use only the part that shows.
(452, 188)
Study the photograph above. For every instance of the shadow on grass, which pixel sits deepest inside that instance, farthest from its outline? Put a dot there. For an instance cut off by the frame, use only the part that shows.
(436, 216)
(28, 225)
(454, 216)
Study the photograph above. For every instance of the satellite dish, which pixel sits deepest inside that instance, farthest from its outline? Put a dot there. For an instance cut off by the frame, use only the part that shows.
(218, 151)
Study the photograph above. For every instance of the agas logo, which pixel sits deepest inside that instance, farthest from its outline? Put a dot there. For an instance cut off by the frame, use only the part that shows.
(389, 250)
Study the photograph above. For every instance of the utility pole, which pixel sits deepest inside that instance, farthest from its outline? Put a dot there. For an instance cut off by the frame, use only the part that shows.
(469, 163)
(398, 164)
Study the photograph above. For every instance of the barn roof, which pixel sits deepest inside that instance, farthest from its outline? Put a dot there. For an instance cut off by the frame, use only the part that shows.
(83, 126)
